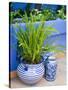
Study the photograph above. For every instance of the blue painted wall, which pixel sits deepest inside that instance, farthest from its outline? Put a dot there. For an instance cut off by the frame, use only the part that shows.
(59, 24)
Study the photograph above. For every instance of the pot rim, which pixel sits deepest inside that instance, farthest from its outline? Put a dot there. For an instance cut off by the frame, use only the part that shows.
(32, 64)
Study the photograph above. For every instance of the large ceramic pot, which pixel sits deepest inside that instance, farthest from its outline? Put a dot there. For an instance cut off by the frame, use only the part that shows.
(30, 73)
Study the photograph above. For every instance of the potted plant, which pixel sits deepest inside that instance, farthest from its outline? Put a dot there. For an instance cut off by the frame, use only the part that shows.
(31, 49)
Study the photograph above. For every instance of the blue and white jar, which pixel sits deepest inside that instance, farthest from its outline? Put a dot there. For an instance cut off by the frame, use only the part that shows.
(50, 69)
(30, 73)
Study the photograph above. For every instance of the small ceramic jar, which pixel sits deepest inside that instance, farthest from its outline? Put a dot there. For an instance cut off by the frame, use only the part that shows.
(50, 69)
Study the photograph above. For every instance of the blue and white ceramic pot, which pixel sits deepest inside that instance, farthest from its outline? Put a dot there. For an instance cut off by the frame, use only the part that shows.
(30, 73)
(50, 69)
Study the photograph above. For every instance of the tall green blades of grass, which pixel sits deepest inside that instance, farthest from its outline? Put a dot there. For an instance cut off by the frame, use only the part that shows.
(31, 41)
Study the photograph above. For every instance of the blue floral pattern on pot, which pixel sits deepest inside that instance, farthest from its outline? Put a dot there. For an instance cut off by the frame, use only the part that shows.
(30, 73)
(50, 70)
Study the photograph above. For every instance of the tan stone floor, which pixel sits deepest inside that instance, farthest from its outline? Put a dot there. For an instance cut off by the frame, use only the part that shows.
(60, 78)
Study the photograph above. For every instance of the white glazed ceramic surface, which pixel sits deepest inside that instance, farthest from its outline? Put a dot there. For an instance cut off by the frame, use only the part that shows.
(30, 74)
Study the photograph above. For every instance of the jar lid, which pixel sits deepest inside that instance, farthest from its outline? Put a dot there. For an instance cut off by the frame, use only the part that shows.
(52, 57)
